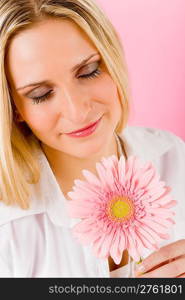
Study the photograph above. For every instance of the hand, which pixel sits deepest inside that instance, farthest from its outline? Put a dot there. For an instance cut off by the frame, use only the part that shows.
(168, 261)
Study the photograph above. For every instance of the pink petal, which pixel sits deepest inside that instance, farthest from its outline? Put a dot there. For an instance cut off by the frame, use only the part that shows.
(129, 167)
(115, 165)
(141, 193)
(111, 164)
(90, 232)
(100, 247)
(93, 227)
(121, 169)
(85, 197)
(115, 252)
(151, 236)
(148, 165)
(123, 242)
(141, 169)
(83, 200)
(169, 204)
(171, 221)
(156, 193)
(166, 190)
(145, 241)
(85, 225)
(153, 224)
(165, 222)
(134, 186)
(152, 196)
(145, 179)
(137, 165)
(110, 178)
(139, 245)
(165, 236)
(132, 249)
(108, 161)
(74, 196)
(111, 173)
(105, 249)
(79, 211)
(161, 212)
(151, 231)
(86, 186)
(102, 175)
(85, 192)
(91, 236)
(91, 178)
(164, 199)
(155, 181)
(84, 239)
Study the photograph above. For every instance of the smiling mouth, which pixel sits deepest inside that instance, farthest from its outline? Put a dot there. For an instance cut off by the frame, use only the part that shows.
(84, 128)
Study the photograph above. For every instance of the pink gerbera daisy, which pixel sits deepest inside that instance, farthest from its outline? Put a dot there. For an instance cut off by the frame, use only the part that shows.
(125, 207)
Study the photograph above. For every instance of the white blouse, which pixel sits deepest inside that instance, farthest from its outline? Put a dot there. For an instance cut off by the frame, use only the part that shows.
(38, 242)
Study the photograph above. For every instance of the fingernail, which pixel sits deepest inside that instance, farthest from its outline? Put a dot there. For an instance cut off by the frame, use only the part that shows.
(139, 269)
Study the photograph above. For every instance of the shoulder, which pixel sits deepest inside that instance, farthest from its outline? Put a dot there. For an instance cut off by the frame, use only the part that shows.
(37, 198)
(166, 151)
(152, 142)
(22, 244)
(152, 133)
(10, 213)
(175, 144)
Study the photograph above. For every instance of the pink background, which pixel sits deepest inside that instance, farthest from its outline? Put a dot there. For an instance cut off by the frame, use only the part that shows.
(153, 36)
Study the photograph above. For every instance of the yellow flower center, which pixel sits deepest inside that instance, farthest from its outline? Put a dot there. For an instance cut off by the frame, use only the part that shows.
(120, 208)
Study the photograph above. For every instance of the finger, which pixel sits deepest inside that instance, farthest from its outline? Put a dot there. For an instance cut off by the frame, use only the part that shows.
(170, 270)
(163, 255)
(181, 276)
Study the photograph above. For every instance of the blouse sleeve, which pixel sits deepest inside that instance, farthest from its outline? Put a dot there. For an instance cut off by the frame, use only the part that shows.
(172, 170)
(6, 268)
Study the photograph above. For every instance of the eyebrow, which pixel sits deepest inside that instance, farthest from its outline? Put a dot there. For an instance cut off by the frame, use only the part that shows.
(46, 81)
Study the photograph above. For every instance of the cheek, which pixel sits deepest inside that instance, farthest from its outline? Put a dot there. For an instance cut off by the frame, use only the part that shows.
(106, 90)
(41, 120)
(37, 116)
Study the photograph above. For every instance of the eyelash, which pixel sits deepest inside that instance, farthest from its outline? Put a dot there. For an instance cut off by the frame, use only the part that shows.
(91, 75)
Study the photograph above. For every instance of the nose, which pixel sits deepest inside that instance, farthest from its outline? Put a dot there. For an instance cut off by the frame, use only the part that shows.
(76, 105)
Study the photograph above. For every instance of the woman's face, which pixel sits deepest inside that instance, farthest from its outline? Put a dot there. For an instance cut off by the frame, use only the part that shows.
(55, 93)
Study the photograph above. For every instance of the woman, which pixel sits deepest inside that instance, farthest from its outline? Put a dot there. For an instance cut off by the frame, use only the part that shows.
(63, 70)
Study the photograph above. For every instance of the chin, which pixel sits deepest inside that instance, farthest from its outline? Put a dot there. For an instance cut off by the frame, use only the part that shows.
(92, 149)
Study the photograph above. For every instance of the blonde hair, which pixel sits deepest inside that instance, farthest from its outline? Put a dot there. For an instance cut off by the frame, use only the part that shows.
(17, 142)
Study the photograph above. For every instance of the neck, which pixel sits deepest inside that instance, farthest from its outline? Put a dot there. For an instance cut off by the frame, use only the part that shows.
(67, 167)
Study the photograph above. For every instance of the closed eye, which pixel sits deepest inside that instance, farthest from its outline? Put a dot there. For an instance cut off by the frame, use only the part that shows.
(42, 98)
(46, 96)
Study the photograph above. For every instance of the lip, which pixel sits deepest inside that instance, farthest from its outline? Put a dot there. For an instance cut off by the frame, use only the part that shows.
(82, 129)
(85, 132)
